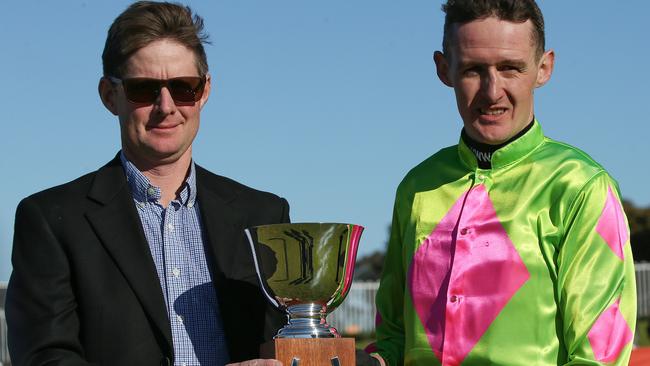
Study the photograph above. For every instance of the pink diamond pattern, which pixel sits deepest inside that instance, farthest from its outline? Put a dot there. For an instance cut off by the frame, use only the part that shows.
(610, 334)
(462, 275)
(612, 226)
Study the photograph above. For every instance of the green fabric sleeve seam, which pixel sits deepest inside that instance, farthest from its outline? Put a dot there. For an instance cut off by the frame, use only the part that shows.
(563, 229)
(577, 194)
(577, 150)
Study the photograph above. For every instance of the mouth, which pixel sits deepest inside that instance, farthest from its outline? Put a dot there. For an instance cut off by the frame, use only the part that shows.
(492, 111)
(167, 126)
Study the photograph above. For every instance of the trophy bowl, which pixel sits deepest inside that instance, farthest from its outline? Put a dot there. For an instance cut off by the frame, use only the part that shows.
(305, 269)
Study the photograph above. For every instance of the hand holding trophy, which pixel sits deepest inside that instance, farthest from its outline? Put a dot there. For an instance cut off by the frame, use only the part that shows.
(306, 270)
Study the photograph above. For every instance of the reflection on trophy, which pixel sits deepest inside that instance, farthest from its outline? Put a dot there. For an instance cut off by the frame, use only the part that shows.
(306, 270)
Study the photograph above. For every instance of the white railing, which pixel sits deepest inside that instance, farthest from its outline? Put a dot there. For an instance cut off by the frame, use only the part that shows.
(357, 313)
(4, 351)
(642, 289)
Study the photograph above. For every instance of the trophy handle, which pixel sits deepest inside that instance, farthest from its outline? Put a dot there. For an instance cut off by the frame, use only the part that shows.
(258, 271)
(354, 236)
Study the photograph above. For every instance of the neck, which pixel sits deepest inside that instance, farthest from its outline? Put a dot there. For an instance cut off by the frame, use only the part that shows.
(168, 176)
(483, 152)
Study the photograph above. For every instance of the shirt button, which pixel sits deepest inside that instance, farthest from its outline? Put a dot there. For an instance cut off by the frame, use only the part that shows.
(481, 177)
(179, 318)
(170, 227)
(453, 298)
(176, 272)
(464, 231)
(190, 205)
(151, 191)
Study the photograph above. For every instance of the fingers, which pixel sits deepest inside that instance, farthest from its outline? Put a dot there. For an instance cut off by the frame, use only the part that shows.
(257, 362)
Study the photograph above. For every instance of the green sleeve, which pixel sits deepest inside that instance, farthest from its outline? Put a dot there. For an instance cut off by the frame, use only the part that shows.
(390, 298)
(596, 285)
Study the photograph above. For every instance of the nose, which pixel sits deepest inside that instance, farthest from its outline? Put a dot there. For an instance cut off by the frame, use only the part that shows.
(165, 103)
(492, 86)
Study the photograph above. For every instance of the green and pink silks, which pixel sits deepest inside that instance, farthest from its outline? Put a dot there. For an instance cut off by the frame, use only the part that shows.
(527, 263)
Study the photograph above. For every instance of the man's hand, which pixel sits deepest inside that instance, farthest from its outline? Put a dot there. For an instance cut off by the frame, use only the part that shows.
(257, 362)
(365, 359)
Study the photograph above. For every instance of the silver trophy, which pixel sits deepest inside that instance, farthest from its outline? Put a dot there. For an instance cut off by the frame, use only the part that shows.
(306, 270)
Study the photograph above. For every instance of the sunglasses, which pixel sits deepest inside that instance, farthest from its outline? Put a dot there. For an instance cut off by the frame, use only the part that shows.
(184, 89)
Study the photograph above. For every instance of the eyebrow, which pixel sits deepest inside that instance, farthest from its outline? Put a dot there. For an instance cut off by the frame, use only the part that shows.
(521, 64)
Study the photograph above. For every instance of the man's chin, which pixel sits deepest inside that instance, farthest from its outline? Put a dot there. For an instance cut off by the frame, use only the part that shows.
(489, 135)
(156, 155)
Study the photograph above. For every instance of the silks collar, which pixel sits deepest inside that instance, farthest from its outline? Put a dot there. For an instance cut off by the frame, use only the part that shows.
(508, 154)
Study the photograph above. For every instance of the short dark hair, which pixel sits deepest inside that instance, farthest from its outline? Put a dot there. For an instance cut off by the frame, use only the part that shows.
(518, 11)
(145, 22)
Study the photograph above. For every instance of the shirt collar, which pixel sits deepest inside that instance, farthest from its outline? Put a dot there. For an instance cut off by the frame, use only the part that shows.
(510, 153)
(143, 191)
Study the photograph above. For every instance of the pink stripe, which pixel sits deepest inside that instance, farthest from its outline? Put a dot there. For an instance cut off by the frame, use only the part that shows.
(610, 334)
(612, 226)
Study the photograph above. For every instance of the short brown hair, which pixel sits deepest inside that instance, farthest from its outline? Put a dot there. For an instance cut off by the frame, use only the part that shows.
(518, 11)
(145, 22)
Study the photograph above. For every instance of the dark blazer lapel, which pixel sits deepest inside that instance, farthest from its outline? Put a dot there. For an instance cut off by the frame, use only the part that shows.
(227, 208)
(118, 226)
(219, 224)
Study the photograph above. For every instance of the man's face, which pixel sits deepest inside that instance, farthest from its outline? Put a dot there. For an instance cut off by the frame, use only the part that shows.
(493, 67)
(161, 132)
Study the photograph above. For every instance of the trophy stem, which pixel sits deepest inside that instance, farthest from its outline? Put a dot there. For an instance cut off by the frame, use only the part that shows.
(307, 321)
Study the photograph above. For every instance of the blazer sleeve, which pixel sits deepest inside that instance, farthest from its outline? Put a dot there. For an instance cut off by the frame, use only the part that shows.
(284, 212)
(43, 323)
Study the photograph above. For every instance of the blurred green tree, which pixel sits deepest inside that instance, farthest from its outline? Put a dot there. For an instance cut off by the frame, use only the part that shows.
(639, 220)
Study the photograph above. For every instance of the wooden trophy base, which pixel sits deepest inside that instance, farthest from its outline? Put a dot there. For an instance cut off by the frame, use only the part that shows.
(311, 351)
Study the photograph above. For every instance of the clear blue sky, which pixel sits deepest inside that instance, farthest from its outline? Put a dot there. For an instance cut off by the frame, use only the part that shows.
(327, 103)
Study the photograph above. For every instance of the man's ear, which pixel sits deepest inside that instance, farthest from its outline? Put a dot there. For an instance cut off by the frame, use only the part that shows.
(206, 91)
(107, 94)
(442, 68)
(545, 69)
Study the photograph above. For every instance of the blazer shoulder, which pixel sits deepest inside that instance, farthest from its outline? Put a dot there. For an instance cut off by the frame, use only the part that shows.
(229, 189)
(76, 191)
(64, 192)
(254, 207)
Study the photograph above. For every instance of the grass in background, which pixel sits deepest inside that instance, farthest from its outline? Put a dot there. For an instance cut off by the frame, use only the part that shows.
(362, 341)
(642, 338)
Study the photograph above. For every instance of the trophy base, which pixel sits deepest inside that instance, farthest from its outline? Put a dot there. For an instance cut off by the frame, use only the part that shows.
(311, 351)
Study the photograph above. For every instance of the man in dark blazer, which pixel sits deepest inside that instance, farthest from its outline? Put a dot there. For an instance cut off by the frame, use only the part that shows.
(92, 281)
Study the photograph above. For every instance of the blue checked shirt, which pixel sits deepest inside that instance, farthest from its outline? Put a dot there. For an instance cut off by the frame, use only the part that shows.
(178, 249)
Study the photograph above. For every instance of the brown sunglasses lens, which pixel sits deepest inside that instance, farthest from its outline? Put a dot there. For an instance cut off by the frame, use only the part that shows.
(188, 89)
